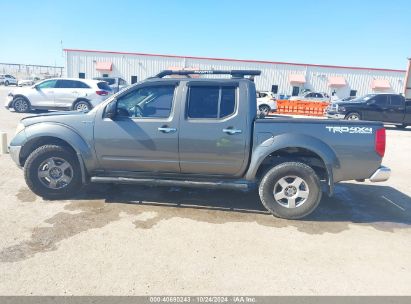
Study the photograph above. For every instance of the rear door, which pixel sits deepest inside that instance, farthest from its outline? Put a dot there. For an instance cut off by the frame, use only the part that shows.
(213, 129)
(395, 109)
(66, 93)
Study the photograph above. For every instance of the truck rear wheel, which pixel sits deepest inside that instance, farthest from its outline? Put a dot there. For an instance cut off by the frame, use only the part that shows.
(291, 190)
(52, 172)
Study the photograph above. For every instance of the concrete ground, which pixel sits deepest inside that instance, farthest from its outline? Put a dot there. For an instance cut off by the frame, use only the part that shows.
(129, 240)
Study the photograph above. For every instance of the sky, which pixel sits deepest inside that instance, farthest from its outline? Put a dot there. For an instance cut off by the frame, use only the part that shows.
(351, 33)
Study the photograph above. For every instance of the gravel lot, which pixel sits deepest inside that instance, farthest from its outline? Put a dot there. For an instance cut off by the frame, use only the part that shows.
(129, 240)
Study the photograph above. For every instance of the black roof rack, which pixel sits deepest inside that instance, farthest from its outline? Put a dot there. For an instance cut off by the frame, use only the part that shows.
(233, 73)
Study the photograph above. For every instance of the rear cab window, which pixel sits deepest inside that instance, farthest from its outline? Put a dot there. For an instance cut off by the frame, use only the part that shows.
(211, 102)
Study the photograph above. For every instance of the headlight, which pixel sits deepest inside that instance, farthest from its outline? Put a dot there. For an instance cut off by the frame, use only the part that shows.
(341, 109)
(20, 127)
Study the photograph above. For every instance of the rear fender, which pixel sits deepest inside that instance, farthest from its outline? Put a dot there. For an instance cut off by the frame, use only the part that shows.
(283, 141)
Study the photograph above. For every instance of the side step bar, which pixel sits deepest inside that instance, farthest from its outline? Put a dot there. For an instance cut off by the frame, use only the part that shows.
(240, 185)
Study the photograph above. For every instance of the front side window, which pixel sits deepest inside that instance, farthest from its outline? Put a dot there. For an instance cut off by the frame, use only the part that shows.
(211, 102)
(147, 102)
(48, 84)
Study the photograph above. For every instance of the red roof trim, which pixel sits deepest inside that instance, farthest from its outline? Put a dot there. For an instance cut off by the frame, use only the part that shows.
(238, 60)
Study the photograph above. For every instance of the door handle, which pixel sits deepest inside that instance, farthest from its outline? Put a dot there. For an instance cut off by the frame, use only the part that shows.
(232, 131)
(167, 130)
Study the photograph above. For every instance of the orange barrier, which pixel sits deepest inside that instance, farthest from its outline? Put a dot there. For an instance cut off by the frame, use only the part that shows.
(300, 107)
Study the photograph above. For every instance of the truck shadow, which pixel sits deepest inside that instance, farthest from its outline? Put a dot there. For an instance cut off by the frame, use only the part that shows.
(382, 207)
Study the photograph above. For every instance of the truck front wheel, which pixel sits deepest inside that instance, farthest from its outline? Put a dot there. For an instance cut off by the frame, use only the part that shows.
(353, 116)
(52, 172)
(291, 190)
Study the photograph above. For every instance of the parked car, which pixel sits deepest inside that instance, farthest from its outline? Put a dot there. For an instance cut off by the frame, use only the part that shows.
(28, 82)
(59, 93)
(7, 79)
(388, 108)
(266, 102)
(115, 83)
(313, 96)
(197, 132)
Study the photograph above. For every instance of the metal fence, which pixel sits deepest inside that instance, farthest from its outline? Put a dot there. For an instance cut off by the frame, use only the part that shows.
(21, 71)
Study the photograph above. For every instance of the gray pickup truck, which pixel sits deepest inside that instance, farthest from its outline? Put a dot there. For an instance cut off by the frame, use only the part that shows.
(197, 132)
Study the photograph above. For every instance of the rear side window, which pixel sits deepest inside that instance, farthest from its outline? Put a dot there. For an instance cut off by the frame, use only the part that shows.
(103, 86)
(396, 100)
(80, 85)
(71, 84)
(211, 102)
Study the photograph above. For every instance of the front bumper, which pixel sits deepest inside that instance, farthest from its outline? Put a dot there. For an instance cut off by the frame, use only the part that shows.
(15, 154)
(8, 103)
(335, 115)
(381, 174)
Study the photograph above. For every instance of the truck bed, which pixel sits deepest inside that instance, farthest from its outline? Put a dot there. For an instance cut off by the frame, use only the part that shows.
(352, 142)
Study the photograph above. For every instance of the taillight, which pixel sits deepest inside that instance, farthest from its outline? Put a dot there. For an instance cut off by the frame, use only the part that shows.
(380, 142)
(102, 93)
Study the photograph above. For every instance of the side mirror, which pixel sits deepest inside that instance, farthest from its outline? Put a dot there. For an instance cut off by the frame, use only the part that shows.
(111, 110)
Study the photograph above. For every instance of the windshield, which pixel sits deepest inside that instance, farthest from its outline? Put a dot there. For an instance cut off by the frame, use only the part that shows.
(363, 98)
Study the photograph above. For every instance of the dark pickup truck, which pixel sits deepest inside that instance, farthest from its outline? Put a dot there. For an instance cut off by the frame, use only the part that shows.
(388, 108)
(197, 132)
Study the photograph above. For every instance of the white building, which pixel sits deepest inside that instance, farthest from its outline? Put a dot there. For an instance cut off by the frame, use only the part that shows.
(280, 77)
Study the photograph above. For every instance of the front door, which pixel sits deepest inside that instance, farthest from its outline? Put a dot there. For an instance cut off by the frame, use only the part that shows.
(143, 136)
(213, 130)
(44, 96)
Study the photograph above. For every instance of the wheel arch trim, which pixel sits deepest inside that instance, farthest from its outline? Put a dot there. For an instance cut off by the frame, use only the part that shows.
(303, 141)
(84, 152)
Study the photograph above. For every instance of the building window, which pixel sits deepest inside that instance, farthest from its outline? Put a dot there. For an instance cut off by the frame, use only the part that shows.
(82, 75)
(133, 79)
(296, 91)
(274, 89)
(105, 75)
(353, 93)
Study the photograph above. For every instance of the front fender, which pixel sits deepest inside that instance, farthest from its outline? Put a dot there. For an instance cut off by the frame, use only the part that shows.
(84, 151)
(304, 141)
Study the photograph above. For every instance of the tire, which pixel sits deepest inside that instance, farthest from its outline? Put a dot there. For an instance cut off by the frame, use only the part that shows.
(264, 110)
(301, 185)
(403, 126)
(353, 116)
(53, 172)
(6, 83)
(82, 105)
(21, 105)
